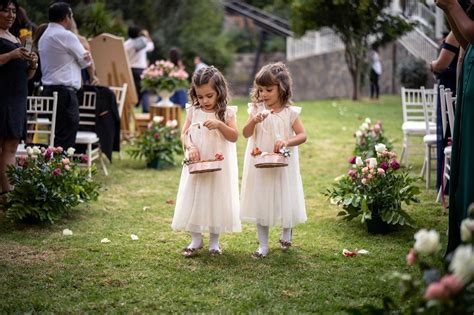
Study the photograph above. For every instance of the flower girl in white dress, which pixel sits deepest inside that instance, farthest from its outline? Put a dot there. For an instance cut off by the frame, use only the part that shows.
(273, 196)
(208, 202)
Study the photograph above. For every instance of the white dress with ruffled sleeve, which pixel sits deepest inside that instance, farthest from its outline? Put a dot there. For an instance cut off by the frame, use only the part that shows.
(272, 196)
(209, 202)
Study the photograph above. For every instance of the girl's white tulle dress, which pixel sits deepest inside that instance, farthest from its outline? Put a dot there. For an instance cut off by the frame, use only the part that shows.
(272, 196)
(209, 202)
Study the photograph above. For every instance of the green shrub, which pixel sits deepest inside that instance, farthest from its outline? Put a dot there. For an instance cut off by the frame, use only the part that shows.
(47, 185)
(413, 73)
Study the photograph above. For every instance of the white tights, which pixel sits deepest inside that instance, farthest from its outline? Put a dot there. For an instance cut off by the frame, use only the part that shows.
(262, 233)
(196, 241)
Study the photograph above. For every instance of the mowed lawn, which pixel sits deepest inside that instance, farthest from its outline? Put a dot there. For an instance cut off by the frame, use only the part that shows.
(44, 271)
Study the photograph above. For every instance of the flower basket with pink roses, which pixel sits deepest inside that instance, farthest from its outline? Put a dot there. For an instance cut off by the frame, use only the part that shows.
(48, 184)
(164, 76)
(375, 189)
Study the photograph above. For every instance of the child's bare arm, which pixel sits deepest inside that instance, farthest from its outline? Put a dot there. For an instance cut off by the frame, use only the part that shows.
(193, 152)
(297, 139)
(228, 130)
(252, 122)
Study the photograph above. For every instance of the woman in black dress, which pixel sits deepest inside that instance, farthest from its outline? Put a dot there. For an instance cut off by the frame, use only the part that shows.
(17, 64)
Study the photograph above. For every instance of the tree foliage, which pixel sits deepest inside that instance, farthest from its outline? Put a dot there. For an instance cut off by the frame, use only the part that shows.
(358, 23)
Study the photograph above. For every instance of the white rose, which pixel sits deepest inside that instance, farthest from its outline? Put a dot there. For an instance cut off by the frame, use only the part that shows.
(365, 126)
(380, 147)
(172, 123)
(36, 150)
(368, 121)
(359, 161)
(462, 264)
(29, 151)
(70, 151)
(373, 162)
(158, 119)
(359, 133)
(427, 242)
(467, 228)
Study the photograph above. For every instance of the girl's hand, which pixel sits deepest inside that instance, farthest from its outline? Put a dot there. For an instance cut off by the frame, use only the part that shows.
(212, 124)
(259, 118)
(193, 153)
(444, 4)
(279, 144)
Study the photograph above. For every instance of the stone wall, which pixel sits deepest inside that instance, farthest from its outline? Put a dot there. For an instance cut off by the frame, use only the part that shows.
(323, 76)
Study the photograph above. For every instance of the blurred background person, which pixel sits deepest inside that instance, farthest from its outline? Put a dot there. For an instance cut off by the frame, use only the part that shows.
(17, 64)
(180, 97)
(375, 72)
(444, 69)
(198, 63)
(137, 46)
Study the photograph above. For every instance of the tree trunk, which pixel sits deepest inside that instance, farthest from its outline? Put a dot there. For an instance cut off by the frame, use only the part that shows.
(352, 65)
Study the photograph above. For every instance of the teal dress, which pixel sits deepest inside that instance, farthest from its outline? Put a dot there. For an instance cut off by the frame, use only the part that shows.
(461, 188)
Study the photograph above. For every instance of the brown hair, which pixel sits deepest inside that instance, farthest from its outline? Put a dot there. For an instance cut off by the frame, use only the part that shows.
(212, 76)
(274, 74)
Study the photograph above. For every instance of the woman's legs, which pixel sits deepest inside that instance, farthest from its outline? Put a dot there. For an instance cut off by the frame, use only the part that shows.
(7, 157)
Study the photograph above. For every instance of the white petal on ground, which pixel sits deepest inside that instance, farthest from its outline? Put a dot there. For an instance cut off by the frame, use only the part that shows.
(146, 208)
(67, 232)
(134, 237)
(105, 240)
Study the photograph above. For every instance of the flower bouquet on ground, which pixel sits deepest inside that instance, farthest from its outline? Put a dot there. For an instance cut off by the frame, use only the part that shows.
(375, 189)
(158, 144)
(48, 185)
(164, 76)
(367, 136)
(442, 288)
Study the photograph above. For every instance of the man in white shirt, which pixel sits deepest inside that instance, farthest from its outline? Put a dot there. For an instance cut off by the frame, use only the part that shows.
(198, 63)
(62, 58)
(137, 46)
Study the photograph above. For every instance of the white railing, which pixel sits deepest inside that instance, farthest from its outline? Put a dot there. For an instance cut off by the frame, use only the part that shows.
(313, 44)
(420, 45)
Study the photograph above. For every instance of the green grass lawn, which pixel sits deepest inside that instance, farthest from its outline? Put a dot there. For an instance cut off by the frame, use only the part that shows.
(44, 271)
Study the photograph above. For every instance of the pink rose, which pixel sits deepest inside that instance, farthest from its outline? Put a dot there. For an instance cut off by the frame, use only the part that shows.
(352, 160)
(157, 136)
(436, 291)
(384, 165)
(57, 172)
(452, 284)
(380, 171)
(394, 164)
(67, 167)
(365, 170)
(58, 150)
(84, 158)
(411, 257)
(65, 161)
(352, 173)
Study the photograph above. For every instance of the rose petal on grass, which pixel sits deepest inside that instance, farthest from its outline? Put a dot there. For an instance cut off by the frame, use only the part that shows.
(363, 252)
(348, 253)
(146, 208)
(105, 241)
(170, 201)
(134, 237)
(67, 232)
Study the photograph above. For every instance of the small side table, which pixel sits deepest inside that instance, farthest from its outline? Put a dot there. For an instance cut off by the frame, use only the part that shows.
(167, 112)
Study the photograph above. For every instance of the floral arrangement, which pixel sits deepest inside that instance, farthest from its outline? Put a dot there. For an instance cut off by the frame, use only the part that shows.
(376, 187)
(159, 143)
(47, 185)
(164, 75)
(444, 288)
(367, 136)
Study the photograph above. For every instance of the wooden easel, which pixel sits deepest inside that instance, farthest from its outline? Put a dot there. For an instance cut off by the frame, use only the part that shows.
(112, 67)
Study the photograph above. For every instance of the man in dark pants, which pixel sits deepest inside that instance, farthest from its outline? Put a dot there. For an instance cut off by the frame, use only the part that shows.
(62, 58)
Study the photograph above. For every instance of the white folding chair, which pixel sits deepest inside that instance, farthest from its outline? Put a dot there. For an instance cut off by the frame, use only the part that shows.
(449, 112)
(90, 138)
(430, 137)
(414, 118)
(120, 94)
(41, 121)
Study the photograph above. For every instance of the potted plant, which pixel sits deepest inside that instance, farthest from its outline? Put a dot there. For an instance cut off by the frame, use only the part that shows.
(163, 78)
(47, 185)
(367, 136)
(158, 144)
(375, 190)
